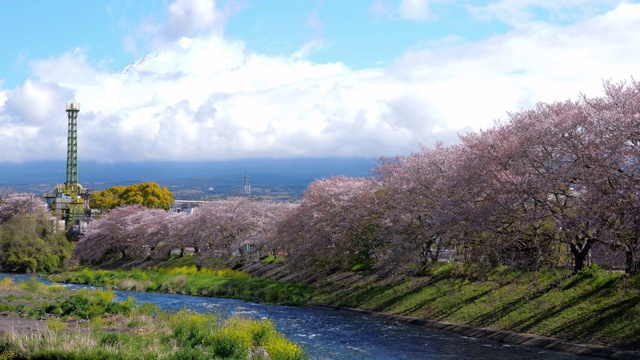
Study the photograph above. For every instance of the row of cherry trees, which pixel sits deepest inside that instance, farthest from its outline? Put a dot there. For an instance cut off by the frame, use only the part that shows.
(558, 180)
(560, 177)
(216, 230)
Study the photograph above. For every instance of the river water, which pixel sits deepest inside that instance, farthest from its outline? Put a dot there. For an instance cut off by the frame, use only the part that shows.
(337, 334)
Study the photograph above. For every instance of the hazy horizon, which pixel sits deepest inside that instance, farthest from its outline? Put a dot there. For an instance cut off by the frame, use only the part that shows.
(192, 178)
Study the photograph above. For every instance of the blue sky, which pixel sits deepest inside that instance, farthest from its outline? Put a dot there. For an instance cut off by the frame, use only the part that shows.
(216, 80)
(111, 32)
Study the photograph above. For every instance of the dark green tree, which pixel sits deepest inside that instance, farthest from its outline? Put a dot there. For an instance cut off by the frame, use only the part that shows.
(28, 244)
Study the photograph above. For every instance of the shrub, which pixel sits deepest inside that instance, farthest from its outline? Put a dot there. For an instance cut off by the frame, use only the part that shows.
(190, 328)
(56, 324)
(279, 348)
(148, 308)
(187, 353)
(109, 339)
(590, 272)
(230, 342)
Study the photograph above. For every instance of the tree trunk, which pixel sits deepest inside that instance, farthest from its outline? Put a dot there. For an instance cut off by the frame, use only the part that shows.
(425, 250)
(630, 265)
(580, 251)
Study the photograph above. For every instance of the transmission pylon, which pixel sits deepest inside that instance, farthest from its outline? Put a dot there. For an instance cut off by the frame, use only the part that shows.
(247, 186)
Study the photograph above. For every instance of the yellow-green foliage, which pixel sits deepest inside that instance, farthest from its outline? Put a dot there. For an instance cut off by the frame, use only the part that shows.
(32, 285)
(189, 328)
(7, 355)
(190, 280)
(56, 324)
(230, 342)
(191, 270)
(262, 333)
(8, 284)
(279, 348)
(231, 338)
(147, 194)
(29, 245)
(166, 336)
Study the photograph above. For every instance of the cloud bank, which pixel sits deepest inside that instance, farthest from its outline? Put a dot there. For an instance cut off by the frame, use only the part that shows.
(201, 96)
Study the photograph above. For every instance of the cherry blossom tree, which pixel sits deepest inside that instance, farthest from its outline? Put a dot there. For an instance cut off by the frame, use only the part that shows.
(216, 229)
(419, 205)
(13, 204)
(335, 227)
(109, 237)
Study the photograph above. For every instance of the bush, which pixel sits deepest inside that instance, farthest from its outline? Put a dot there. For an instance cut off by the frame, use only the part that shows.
(279, 348)
(230, 342)
(590, 272)
(109, 339)
(187, 353)
(189, 328)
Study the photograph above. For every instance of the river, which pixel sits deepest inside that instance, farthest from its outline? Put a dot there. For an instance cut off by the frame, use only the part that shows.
(338, 334)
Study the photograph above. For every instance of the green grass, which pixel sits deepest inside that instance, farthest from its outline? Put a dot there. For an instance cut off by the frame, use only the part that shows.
(595, 307)
(189, 280)
(88, 324)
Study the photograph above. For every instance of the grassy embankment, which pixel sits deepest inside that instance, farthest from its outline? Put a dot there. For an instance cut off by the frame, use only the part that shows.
(597, 307)
(88, 324)
(190, 280)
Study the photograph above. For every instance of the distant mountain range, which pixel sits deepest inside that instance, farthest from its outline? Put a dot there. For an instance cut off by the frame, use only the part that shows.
(278, 179)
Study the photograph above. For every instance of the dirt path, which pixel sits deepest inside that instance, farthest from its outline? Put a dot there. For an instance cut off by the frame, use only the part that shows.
(11, 322)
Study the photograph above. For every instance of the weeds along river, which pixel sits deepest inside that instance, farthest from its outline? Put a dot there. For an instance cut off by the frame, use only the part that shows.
(337, 334)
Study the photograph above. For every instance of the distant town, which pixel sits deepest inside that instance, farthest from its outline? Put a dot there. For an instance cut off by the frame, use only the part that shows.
(269, 179)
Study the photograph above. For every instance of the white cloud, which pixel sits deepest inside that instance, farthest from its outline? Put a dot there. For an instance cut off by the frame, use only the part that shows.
(209, 98)
(318, 42)
(187, 18)
(413, 10)
(417, 10)
(380, 8)
(183, 18)
(520, 13)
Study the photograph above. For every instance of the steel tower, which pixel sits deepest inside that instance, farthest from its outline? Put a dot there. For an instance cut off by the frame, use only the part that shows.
(69, 202)
(71, 184)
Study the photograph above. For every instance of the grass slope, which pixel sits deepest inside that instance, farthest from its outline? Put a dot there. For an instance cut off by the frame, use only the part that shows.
(596, 307)
(189, 280)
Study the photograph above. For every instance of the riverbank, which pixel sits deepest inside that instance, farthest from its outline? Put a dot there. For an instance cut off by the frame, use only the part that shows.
(51, 322)
(548, 308)
(191, 280)
(545, 308)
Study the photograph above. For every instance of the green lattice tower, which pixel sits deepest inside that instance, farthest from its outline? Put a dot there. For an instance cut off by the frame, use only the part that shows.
(71, 184)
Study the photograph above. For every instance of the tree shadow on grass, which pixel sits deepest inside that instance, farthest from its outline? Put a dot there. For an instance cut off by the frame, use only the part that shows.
(533, 321)
(590, 329)
(502, 311)
(470, 300)
(455, 282)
